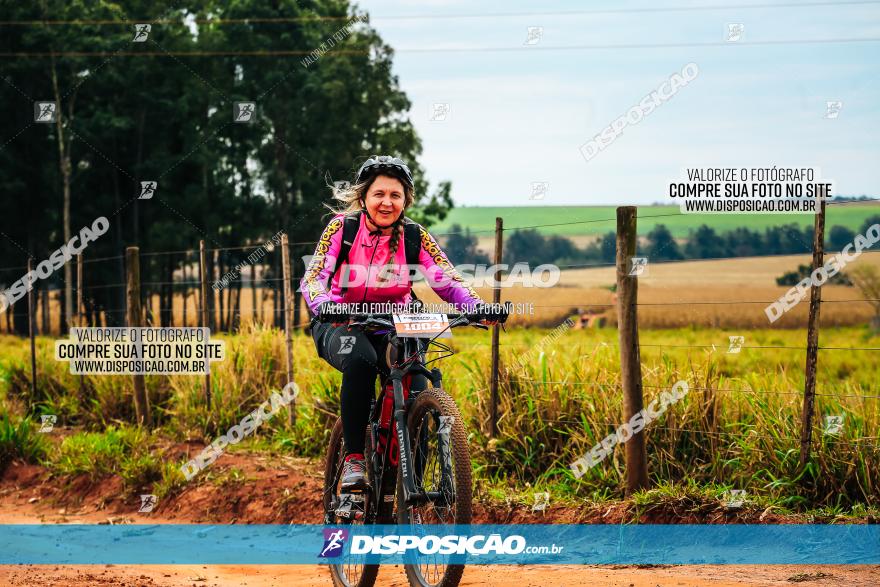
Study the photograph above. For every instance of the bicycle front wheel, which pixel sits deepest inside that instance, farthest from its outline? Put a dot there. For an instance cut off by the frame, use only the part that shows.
(442, 470)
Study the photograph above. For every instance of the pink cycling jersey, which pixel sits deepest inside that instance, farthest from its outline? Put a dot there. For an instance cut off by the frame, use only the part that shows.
(366, 258)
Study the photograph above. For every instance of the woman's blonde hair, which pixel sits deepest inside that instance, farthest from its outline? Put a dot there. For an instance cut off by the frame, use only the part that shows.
(353, 196)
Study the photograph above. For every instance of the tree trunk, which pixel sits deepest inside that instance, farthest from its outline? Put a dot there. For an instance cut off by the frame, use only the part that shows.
(19, 317)
(218, 273)
(185, 284)
(44, 310)
(65, 167)
(235, 324)
(117, 318)
(135, 205)
(297, 294)
(166, 296)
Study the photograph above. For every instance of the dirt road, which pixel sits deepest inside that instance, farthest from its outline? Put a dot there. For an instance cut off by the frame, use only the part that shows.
(28, 495)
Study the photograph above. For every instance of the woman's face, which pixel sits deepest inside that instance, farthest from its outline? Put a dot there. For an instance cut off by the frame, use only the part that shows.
(384, 200)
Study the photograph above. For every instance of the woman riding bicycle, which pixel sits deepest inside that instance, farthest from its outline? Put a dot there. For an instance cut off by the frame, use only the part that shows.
(375, 204)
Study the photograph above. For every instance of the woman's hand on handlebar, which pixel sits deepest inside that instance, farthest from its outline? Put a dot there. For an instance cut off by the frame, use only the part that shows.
(330, 312)
(493, 314)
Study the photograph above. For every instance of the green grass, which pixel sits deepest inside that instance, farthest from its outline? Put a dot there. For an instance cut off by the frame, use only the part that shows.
(20, 441)
(122, 451)
(482, 219)
(738, 426)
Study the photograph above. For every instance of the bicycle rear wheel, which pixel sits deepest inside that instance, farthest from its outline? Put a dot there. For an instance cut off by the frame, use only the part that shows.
(352, 570)
(440, 467)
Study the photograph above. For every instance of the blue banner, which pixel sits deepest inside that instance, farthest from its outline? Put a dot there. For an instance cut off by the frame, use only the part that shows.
(473, 544)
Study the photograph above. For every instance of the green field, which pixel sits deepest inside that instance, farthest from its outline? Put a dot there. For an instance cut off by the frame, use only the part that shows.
(602, 219)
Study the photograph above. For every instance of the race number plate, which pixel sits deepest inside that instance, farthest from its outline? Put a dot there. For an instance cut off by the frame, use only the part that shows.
(422, 325)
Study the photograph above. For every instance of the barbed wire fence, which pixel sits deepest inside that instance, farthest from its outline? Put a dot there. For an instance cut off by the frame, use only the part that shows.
(206, 286)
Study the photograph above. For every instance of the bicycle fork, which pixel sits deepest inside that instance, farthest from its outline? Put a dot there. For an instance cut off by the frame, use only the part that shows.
(413, 495)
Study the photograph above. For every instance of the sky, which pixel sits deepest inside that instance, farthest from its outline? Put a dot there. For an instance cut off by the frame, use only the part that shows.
(518, 116)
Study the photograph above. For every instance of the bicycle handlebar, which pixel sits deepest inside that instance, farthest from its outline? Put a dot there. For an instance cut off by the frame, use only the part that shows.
(463, 318)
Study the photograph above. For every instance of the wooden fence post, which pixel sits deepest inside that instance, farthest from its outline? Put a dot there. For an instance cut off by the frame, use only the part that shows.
(32, 324)
(133, 288)
(630, 355)
(288, 321)
(812, 338)
(496, 329)
(254, 293)
(203, 313)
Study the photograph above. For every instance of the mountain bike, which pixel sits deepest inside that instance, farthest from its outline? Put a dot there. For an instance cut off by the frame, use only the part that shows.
(416, 452)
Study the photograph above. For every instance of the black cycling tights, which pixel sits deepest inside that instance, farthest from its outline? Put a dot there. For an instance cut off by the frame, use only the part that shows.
(356, 355)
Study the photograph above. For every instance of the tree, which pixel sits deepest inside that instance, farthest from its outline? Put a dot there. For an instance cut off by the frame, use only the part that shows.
(867, 279)
(526, 246)
(661, 246)
(839, 237)
(603, 250)
(804, 271)
(127, 118)
(561, 249)
(704, 243)
(461, 247)
(869, 222)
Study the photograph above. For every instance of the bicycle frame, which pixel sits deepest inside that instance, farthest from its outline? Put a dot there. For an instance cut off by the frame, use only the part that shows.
(413, 365)
(411, 361)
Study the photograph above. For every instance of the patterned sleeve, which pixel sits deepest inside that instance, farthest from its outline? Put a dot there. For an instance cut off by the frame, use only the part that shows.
(322, 266)
(442, 276)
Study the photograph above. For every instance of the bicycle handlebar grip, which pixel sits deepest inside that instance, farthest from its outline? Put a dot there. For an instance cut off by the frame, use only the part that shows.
(499, 312)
